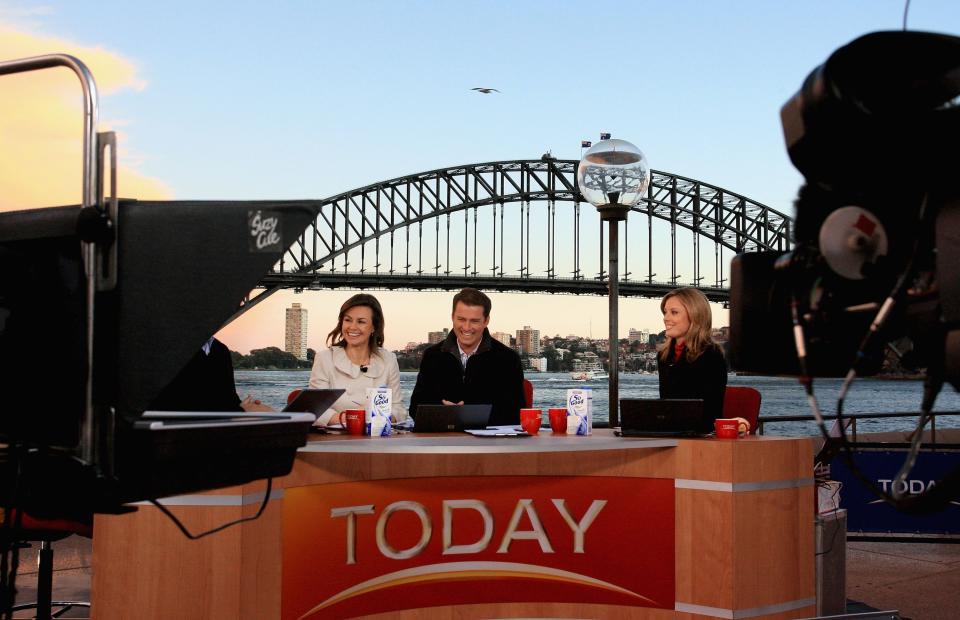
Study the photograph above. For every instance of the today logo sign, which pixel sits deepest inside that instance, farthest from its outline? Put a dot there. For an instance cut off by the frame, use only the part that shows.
(373, 547)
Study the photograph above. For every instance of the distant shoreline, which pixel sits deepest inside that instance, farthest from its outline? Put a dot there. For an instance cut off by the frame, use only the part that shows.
(890, 377)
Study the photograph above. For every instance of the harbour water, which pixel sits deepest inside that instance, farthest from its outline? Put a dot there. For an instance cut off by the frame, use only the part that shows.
(781, 396)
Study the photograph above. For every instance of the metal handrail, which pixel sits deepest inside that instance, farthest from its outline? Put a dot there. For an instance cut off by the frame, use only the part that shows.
(91, 174)
(90, 109)
(853, 417)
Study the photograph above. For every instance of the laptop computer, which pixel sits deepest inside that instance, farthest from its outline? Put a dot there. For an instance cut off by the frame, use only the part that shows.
(662, 417)
(313, 401)
(450, 418)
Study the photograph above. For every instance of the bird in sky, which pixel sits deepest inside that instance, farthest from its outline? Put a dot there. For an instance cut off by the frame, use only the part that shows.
(485, 91)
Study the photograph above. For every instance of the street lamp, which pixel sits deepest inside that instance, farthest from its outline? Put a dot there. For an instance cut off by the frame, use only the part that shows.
(613, 176)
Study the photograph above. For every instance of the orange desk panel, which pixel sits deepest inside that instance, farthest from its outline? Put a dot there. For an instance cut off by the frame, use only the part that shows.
(460, 527)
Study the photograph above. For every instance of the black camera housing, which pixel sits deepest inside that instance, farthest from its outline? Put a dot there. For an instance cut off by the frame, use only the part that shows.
(875, 127)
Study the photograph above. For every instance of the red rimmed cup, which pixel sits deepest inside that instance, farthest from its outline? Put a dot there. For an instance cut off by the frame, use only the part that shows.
(727, 428)
(354, 420)
(558, 421)
(530, 420)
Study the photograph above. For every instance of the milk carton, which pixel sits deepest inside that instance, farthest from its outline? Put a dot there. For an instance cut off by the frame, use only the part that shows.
(580, 411)
(379, 407)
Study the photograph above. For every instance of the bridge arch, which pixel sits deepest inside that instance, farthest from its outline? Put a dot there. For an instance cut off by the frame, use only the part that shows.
(357, 223)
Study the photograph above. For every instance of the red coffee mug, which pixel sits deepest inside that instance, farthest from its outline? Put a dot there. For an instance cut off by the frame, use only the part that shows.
(354, 420)
(726, 428)
(530, 421)
(558, 421)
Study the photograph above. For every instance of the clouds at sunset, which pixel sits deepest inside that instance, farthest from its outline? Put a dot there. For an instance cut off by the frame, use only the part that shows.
(41, 123)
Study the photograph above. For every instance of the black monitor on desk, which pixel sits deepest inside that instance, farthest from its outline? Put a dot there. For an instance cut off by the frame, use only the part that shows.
(183, 268)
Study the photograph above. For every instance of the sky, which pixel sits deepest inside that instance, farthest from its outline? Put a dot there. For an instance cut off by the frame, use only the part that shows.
(285, 100)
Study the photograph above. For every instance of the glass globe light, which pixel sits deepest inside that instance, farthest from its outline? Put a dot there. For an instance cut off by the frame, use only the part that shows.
(613, 176)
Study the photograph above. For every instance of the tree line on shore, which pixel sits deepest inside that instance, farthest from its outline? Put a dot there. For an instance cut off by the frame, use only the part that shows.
(274, 358)
(271, 358)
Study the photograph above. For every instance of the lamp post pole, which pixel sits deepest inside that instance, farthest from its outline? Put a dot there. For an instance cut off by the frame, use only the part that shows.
(613, 344)
(613, 176)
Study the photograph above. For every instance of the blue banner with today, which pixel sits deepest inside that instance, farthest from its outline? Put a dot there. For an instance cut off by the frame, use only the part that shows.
(867, 514)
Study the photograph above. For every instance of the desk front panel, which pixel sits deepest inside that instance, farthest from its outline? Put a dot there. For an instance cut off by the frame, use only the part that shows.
(702, 528)
(372, 547)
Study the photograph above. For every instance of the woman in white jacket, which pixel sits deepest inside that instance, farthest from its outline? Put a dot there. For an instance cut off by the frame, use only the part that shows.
(356, 360)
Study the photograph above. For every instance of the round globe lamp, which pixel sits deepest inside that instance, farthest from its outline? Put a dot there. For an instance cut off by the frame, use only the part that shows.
(613, 176)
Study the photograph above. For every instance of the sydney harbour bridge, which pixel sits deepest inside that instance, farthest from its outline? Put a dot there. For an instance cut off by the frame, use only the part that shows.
(524, 226)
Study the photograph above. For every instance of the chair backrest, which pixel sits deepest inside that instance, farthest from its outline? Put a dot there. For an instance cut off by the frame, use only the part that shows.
(528, 393)
(34, 528)
(293, 395)
(742, 402)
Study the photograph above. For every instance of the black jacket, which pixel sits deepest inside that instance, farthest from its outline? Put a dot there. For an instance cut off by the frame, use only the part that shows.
(493, 375)
(204, 384)
(705, 377)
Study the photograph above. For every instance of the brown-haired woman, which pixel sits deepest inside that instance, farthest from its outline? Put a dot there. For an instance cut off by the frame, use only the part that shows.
(356, 360)
(690, 364)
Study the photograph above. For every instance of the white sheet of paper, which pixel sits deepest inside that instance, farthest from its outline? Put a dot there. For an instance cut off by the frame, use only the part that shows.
(498, 431)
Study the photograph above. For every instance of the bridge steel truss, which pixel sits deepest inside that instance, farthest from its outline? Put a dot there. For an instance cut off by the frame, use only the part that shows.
(386, 227)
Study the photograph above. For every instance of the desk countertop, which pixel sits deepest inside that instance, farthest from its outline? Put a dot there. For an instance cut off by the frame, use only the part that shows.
(408, 443)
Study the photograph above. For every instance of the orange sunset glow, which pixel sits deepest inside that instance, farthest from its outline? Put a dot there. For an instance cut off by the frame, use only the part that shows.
(41, 121)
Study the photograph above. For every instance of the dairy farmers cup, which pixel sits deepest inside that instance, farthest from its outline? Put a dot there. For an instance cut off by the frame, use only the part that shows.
(379, 408)
(580, 411)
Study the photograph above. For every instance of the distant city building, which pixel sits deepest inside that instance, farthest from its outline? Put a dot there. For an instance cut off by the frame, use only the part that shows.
(410, 346)
(435, 337)
(295, 340)
(585, 361)
(502, 337)
(539, 364)
(641, 335)
(528, 341)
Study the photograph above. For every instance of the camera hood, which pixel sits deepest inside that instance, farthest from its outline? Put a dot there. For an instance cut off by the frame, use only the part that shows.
(881, 107)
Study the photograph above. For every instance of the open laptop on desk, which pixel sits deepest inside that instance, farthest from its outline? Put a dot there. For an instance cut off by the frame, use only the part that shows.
(314, 401)
(661, 417)
(450, 418)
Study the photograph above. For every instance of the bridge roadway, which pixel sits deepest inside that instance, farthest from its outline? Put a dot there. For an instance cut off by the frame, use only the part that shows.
(429, 282)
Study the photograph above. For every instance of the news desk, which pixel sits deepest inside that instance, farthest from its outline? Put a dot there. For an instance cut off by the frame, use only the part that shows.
(455, 526)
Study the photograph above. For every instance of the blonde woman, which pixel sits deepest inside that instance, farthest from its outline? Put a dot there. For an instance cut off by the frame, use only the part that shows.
(690, 364)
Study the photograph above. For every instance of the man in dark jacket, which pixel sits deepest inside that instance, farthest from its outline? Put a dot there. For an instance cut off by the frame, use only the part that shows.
(206, 384)
(470, 367)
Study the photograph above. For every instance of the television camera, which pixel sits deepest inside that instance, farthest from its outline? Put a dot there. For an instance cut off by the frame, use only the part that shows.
(876, 262)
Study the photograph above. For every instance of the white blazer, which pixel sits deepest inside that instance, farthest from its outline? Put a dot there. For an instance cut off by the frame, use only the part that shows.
(333, 369)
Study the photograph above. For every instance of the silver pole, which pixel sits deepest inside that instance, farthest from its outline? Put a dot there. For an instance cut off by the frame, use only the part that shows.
(89, 199)
(613, 344)
(89, 109)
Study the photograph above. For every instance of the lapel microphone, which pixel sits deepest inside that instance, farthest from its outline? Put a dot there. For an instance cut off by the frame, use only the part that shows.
(363, 368)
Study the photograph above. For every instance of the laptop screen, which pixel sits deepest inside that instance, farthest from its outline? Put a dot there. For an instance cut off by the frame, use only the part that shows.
(450, 418)
(662, 417)
(314, 401)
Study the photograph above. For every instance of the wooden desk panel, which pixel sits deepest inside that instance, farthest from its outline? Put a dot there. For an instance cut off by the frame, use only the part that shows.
(743, 532)
(732, 559)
